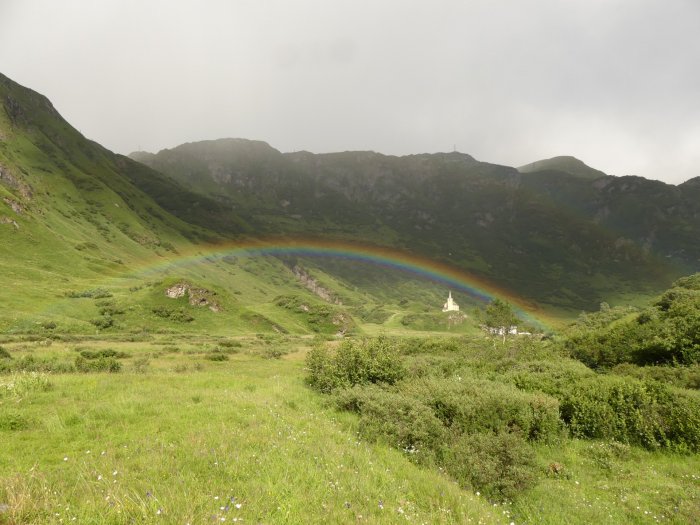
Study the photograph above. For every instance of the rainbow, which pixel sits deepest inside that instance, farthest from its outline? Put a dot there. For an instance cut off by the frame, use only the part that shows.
(392, 259)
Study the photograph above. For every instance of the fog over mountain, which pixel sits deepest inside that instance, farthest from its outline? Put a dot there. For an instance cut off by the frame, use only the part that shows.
(612, 82)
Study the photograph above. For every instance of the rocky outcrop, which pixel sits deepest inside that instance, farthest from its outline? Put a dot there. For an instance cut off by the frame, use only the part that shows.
(16, 206)
(14, 182)
(313, 285)
(196, 296)
(7, 220)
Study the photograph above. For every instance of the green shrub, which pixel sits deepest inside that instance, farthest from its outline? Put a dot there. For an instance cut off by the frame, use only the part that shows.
(216, 356)
(668, 332)
(103, 322)
(225, 350)
(30, 363)
(179, 315)
(501, 466)
(230, 344)
(354, 363)
(110, 310)
(108, 352)
(679, 376)
(644, 413)
(273, 353)
(469, 406)
(434, 345)
(4, 354)
(101, 364)
(397, 420)
(553, 377)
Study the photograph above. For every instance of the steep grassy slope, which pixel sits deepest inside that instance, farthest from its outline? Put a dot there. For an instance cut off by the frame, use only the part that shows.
(84, 247)
(87, 242)
(562, 234)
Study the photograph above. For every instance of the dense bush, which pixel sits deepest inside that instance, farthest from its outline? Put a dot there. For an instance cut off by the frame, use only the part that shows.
(476, 409)
(107, 352)
(31, 364)
(666, 333)
(101, 364)
(553, 377)
(469, 406)
(103, 322)
(679, 376)
(498, 465)
(230, 344)
(644, 413)
(399, 420)
(109, 308)
(354, 362)
(4, 354)
(215, 355)
(179, 315)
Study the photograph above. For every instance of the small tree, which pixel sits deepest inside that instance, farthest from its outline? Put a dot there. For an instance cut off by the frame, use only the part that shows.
(500, 317)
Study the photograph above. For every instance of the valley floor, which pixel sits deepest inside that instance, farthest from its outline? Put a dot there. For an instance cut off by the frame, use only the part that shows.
(188, 440)
(183, 435)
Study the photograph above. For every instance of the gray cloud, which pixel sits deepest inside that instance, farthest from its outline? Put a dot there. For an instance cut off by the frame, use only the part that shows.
(613, 82)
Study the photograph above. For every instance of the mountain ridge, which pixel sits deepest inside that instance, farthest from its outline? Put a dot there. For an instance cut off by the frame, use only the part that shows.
(559, 241)
(541, 233)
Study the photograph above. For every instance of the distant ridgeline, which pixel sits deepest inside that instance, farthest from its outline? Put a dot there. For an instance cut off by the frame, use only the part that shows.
(555, 231)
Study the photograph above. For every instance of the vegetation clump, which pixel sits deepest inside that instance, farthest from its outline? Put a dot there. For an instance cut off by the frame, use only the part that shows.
(101, 364)
(216, 355)
(643, 413)
(668, 332)
(95, 293)
(108, 352)
(20, 384)
(178, 315)
(500, 465)
(479, 411)
(354, 362)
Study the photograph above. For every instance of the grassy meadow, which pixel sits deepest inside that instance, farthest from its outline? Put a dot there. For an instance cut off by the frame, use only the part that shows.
(176, 437)
(197, 429)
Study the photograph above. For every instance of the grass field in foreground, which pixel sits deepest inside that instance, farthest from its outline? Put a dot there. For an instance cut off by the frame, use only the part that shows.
(188, 440)
(175, 437)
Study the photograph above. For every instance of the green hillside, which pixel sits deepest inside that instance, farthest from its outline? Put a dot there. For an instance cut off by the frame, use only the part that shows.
(88, 243)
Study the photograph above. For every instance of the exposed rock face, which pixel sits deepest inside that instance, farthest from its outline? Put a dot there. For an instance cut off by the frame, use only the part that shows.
(7, 220)
(16, 206)
(197, 296)
(8, 179)
(177, 290)
(312, 284)
(343, 321)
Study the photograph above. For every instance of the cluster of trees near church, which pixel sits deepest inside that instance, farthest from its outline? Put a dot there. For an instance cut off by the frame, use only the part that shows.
(477, 410)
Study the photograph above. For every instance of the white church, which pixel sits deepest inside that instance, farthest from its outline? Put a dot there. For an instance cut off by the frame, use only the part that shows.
(450, 305)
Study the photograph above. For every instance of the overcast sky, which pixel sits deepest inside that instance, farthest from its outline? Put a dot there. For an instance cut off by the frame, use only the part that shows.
(615, 83)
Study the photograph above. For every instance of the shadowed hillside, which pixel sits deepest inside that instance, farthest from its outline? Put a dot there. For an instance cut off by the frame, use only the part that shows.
(562, 234)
